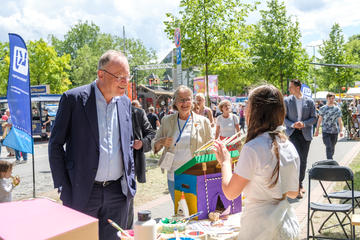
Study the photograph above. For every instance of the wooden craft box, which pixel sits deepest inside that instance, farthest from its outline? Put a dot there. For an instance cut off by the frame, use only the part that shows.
(45, 219)
(203, 191)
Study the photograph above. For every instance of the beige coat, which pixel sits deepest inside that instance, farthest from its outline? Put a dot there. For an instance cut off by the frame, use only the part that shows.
(201, 132)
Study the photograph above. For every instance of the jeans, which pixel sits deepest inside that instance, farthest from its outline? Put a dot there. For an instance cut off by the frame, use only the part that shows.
(330, 140)
(171, 186)
(18, 156)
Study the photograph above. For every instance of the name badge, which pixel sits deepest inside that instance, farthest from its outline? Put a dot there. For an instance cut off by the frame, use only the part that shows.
(168, 160)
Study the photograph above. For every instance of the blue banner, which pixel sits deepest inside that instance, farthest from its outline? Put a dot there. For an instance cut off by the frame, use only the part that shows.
(19, 98)
(306, 90)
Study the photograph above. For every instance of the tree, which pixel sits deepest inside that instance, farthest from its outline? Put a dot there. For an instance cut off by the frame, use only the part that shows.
(208, 30)
(334, 51)
(48, 68)
(276, 48)
(76, 38)
(4, 67)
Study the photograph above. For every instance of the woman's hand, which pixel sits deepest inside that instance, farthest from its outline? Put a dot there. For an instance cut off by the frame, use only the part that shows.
(221, 153)
(165, 141)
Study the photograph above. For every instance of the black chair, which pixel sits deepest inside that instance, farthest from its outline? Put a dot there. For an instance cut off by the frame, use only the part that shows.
(344, 195)
(330, 173)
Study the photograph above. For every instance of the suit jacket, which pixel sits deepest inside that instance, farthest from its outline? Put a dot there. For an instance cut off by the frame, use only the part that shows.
(143, 131)
(201, 132)
(76, 125)
(308, 116)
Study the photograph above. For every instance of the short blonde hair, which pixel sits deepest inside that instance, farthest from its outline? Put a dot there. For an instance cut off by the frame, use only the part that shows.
(151, 109)
(222, 103)
(200, 95)
(181, 88)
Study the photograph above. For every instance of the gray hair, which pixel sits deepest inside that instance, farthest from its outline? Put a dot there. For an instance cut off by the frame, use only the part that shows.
(151, 109)
(108, 56)
(135, 103)
(181, 88)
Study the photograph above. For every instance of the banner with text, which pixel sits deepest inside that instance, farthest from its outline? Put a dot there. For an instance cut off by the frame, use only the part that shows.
(19, 97)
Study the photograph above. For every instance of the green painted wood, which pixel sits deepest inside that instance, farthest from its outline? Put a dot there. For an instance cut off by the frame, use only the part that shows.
(202, 159)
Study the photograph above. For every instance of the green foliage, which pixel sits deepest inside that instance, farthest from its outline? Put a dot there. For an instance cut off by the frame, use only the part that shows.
(4, 67)
(76, 38)
(85, 43)
(334, 51)
(48, 68)
(209, 29)
(276, 48)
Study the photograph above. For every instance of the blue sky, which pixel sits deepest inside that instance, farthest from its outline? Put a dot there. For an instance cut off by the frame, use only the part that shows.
(35, 19)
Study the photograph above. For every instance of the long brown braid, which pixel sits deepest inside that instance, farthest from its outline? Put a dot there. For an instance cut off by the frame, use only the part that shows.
(266, 113)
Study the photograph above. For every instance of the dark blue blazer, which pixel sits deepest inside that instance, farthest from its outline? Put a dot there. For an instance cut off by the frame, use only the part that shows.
(74, 165)
(308, 116)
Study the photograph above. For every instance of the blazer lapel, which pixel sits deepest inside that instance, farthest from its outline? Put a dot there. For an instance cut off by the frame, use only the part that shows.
(89, 103)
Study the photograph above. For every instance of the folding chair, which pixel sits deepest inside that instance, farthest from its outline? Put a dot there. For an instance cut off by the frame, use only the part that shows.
(344, 195)
(333, 174)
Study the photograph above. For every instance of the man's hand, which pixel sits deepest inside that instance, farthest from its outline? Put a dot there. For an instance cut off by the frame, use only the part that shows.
(316, 133)
(341, 134)
(138, 144)
(298, 125)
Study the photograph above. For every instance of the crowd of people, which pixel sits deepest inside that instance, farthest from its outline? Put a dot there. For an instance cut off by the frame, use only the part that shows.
(97, 171)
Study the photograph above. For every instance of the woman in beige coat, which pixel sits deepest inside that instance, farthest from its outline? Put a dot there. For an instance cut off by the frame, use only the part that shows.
(181, 134)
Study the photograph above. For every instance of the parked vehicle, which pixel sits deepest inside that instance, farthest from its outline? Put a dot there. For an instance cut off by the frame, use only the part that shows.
(38, 104)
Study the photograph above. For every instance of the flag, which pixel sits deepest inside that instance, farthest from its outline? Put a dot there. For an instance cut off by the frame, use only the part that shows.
(306, 90)
(19, 97)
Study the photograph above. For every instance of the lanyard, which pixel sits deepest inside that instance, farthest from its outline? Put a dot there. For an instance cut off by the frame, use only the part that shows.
(181, 130)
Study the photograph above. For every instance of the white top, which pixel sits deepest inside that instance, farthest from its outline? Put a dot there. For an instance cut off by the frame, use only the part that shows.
(5, 191)
(256, 163)
(299, 103)
(182, 149)
(227, 126)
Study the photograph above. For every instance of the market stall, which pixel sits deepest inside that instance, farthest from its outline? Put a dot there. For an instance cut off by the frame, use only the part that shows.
(155, 96)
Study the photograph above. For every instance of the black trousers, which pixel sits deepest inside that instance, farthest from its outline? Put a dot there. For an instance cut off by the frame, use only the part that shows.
(108, 203)
(302, 146)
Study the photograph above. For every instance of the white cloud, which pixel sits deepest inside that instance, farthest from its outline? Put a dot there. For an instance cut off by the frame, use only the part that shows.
(319, 18)
(35, 19)
(143, 19)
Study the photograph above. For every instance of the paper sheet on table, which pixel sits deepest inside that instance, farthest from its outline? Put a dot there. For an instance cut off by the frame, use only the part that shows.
(230, 225)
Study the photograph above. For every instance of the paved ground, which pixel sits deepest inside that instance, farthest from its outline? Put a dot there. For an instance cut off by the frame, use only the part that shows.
(344, 153)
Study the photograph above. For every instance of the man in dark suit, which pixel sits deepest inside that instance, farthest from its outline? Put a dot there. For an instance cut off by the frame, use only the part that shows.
(143, 135)
(299, 119)
(94, 171)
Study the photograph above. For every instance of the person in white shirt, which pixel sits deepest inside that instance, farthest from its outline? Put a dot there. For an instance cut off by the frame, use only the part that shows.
(267, 171)
(227, 124)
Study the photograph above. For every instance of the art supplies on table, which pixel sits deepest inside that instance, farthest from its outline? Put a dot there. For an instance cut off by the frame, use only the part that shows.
(145, 227)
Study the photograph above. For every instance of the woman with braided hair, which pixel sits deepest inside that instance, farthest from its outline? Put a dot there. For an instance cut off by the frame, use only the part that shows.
(267, 171)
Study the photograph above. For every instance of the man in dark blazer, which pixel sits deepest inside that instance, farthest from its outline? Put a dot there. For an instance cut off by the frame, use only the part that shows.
(299, 119)
(91, 147)
(143, 135)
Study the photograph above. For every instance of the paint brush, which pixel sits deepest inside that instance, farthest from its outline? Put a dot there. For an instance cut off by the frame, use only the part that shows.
(118, 228)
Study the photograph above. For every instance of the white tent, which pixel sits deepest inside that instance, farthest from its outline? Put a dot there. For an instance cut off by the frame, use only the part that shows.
(353, 92)
(321, 96)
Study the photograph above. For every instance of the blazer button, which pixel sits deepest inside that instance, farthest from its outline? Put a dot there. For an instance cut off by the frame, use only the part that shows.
(95, 170)
(97, 152)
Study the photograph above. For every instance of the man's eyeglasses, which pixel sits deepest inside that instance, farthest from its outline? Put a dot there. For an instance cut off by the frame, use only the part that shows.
(127, 78)
(182, 100)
